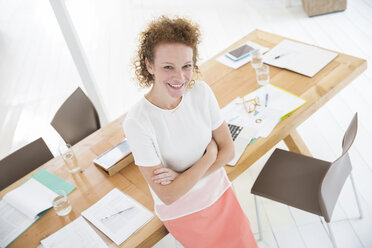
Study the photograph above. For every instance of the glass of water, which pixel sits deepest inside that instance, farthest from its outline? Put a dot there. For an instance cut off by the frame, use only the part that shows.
(61, 204)
(257, 60)
(65, 150)
(263, 78)
(263, 75)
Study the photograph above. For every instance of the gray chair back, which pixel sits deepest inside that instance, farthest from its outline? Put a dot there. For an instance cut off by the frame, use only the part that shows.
(76, 118)
(23, 161)
(337, 173)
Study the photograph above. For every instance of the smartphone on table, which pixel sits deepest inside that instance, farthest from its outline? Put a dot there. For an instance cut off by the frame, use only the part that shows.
(240, 52)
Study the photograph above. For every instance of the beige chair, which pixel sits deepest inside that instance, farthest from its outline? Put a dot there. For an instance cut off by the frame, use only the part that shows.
(23, 161)
(307, 183)
(76, 118)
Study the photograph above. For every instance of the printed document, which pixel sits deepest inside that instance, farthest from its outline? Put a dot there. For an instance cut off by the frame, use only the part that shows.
(304, 59)
(117, 215)
(77, 234)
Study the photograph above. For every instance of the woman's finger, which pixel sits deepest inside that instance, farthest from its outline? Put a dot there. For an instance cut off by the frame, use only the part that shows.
(160, 176)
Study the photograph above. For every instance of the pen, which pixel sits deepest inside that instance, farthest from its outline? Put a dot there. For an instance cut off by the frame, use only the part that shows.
(111, 215)
(281, 55)
(266, 99)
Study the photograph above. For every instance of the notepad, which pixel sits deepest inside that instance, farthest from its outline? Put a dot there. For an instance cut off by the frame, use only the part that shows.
(304, 59)
(108, 216)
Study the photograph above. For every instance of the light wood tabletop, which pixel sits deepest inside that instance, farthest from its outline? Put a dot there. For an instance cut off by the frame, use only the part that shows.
(93, 183)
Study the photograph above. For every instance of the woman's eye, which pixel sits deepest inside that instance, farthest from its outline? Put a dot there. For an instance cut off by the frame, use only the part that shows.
(168, 67)
(188, 66)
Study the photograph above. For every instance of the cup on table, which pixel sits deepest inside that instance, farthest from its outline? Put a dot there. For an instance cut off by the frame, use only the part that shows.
(61, 204)
(65, 150)
(263, 75)
(257, 60)
(263, 78)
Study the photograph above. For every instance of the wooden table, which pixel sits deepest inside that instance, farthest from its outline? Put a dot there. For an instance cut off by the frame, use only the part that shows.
(227, 84)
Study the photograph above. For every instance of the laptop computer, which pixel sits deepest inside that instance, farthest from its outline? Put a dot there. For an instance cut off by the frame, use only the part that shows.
(241, 137)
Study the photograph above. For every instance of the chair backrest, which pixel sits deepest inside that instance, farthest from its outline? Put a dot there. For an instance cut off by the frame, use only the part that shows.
(337, 173)
(23, 161)
(76, 118)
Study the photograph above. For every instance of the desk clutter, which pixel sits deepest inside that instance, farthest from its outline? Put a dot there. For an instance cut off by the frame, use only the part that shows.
(117, 215)
(294, 56)
(261, 110)
(24, 205)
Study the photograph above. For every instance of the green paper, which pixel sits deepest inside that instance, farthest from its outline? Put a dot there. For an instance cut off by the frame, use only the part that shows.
(53, 182)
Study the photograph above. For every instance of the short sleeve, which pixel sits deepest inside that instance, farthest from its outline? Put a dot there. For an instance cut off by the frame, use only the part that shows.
(141, 144)
(214, 109)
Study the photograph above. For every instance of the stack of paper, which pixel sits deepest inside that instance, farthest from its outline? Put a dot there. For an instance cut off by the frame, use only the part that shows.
(267, 115)
(298, 57)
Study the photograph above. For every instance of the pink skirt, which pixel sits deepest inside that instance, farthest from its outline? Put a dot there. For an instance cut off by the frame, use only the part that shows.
(223, 224)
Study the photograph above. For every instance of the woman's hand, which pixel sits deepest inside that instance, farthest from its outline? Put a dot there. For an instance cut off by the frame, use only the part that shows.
(164, 176)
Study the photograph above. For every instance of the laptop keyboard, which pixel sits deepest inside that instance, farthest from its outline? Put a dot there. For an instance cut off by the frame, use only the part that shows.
(234, 130)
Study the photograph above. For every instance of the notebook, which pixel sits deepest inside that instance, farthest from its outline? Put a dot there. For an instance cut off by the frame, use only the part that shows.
(241, 136)
(304, 59)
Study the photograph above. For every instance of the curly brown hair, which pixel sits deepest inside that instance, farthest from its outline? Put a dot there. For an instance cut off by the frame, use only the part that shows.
(165, 29)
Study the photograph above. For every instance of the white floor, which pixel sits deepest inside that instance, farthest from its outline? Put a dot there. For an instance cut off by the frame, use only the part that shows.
(37, 74)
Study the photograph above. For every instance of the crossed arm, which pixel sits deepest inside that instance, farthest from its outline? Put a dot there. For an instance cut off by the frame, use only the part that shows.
(170, 185)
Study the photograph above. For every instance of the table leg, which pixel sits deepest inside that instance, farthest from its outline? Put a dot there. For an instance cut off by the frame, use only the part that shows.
(295, 143)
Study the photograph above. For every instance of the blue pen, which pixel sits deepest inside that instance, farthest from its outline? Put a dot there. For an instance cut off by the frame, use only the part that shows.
(266, 99)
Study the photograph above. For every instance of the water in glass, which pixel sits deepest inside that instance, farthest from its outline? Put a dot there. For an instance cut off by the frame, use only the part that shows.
(256, 60)
(71, 162)
(61, 204)
(263, 75)
(69, 157)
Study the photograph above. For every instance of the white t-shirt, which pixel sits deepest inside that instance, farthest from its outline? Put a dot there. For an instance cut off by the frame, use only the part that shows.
(177, 139)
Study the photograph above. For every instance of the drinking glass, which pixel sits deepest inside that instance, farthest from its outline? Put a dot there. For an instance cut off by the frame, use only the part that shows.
(69, 157)
(256, 60)
(61, 204)
(263, 78)
(263, 75)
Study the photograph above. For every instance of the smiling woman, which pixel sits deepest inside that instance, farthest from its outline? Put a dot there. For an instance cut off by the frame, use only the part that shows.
(180, 141)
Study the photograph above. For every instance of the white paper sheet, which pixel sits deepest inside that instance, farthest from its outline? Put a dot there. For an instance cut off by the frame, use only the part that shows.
(304, 59)
(12, 223)
(236, 64)
(120, 226)
(77, 234)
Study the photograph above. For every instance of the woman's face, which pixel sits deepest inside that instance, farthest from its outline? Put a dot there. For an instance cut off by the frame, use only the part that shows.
(172, 68)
